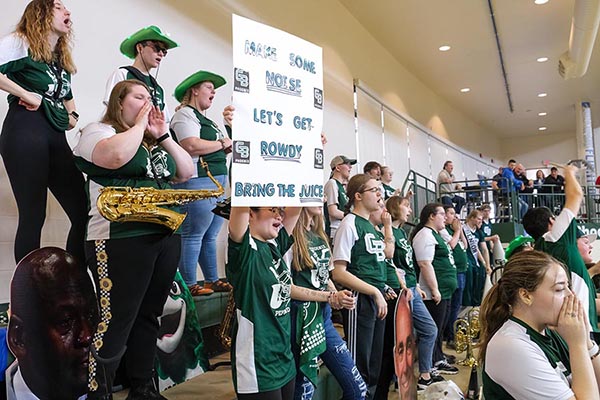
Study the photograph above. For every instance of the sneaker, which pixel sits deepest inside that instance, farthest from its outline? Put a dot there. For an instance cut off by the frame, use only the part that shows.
(423, 384)
(218, 286)
(450, 358)
(444, 368)
(435, 375)
(197, 290)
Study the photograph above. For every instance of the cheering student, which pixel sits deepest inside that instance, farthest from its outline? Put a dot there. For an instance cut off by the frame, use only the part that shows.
(147, 48)
(133, 262)
(359, 254)
(35, 69)
(205, 142)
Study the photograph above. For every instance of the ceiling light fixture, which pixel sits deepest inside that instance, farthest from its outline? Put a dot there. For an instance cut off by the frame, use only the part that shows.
(540, 2)
(542, 94)
(542, 114)
(542, 59)
(542, 128)
(444, 48)
(465, 90)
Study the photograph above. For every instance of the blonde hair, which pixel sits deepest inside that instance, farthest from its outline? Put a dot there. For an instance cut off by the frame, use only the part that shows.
(187, 97)
(35, 26)
(300, 254)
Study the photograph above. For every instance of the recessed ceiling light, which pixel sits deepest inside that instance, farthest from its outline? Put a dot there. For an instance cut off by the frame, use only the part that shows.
(542, 114)
(465, 90)
(445, 48)
(540, 2)
(542, 128)
(542, 59)
(542, 94)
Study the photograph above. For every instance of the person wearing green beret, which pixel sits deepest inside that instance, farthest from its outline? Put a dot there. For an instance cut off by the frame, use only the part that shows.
(147, 48)
(204, 141)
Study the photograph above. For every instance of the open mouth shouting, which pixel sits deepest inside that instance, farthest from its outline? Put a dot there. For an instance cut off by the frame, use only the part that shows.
(172, 323)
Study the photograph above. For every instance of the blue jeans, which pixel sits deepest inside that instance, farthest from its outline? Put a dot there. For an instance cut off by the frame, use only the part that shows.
(336, 357)
(199, 233)
(455, 304)
(455, 200)
(426, 332)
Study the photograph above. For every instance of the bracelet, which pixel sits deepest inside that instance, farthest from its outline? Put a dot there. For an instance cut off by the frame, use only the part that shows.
(594, 351)
(75, 115)
(331, 294)
(163, 138)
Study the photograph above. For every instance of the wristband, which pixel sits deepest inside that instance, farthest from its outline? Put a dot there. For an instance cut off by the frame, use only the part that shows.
(75, 115)
(594, 351)
(163, 138)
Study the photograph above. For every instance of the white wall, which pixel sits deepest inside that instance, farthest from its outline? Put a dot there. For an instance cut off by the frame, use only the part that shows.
(203, 29)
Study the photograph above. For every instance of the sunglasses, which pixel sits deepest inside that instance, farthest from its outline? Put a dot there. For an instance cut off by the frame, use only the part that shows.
(274, 210)
(157, 48)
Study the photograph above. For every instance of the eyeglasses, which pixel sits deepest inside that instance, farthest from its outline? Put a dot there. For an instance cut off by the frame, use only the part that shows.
(157, 48)
(274, 210)
(374, 189)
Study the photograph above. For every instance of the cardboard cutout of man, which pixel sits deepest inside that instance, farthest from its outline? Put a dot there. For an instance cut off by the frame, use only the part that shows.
(52, 319)
(404, 351)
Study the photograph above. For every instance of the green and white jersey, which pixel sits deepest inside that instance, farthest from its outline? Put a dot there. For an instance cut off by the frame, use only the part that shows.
(316, 277)
(561, 243)
(156, 90)
(388, 191)
(458, 252)
(335, 193)
(403, 257)
(143, 170)
(473, 241)
(428, 245)
(189, 122)
(261, 357)
(50, 81)
(521, 363)
(486, 231)
(361, 245)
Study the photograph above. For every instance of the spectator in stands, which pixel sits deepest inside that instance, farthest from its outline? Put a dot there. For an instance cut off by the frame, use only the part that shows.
(447, 187)
(510, 184)
(538, 186)
(557, 236)
(493, 244)
(559, 363)
(335, 193)
(455, 237)
(477, 258)
(386, 181)
(373, 169)
(555, 185)
(527, 192)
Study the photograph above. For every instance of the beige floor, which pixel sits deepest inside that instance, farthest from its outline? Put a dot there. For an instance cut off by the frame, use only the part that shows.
(216, 385)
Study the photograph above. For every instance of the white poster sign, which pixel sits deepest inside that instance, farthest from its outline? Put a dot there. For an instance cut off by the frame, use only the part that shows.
(278, 96)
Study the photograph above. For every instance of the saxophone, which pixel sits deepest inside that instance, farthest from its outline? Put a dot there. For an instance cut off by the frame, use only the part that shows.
(224, 332)
(126, 204)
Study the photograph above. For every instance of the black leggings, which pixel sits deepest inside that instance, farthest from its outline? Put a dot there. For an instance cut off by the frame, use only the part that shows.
(284, 393)
(37, 158)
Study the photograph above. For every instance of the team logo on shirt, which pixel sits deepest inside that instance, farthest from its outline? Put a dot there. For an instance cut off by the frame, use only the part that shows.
(157, 166)
(375, 246)
(408, 252)
(281, 292)
(320, 256)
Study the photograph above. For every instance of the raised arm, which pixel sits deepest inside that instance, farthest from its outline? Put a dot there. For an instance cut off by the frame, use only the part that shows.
(573, 191)
(238, 223)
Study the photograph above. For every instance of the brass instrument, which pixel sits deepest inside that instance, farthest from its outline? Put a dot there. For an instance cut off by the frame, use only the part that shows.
(125, 204)
(465, 331)
(224, 332)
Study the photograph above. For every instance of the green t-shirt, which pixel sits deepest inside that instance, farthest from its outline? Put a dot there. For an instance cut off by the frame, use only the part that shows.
(359, 244)
(316, 277)
(261, 357)
(459, 253)
(148, 168)
(50, 81)
(561, 243)
(486, 231)
(189, 122)
(388, 191)
(428, 245)
(403, 257)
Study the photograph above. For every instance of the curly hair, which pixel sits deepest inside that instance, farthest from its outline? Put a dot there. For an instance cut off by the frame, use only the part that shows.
(35, 26)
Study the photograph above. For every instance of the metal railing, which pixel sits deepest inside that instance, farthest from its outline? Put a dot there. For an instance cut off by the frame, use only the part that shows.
(504, 201)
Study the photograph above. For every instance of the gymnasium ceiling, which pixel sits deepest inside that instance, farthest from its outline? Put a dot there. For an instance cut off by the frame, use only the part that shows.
(413, 30)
